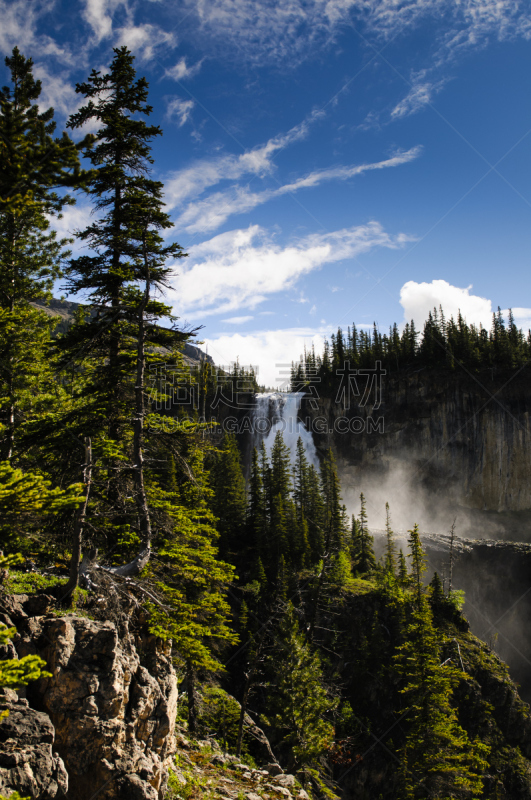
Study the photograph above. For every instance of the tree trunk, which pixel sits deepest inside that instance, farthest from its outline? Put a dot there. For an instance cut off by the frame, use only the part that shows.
(138, 436)
(320, 582)
(79, 522)
(190, 694)
(10, 432)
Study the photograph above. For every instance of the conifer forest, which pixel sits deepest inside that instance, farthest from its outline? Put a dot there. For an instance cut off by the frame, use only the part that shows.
(305, 640)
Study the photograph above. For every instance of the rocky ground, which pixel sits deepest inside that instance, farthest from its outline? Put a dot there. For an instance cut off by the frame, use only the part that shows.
(202, 770)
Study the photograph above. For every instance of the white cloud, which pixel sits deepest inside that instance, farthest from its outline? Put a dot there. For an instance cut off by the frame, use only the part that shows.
(181, 71)
(21, 25)
(74, 218)
(56, 92)
(237, 320)
(272, 351)
(522, 317)
(240, 268)
(192, 181)
(288, 31)
(418, 299)
(179, 109)
(143, 40)
(208, 214)
(99, 15)
(418, 97)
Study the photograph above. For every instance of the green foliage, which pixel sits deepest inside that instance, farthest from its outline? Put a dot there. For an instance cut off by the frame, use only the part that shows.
(298, 699)
(14, 796)
(390, 545)
(219, 717)
(457, 598)
(128, 260)
(229, 498)
(191, 580)
(362, 542)
(17, 672)
(438, 760)
(26, 498)
(30, 582)
(32, 165)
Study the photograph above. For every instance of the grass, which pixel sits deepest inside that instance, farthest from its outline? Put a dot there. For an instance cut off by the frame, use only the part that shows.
(31, 582)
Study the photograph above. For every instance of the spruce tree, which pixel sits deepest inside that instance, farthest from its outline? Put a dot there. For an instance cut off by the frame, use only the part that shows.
(333, 520)
(126, 269)
(403, 576)
(128, 261)
(298, 699)
(418, 564)
(32, 165)
(362, 547)
(438, 759)
(300, 480)
(390, 549)
(256, 524)
(315, 516)
(229, 501)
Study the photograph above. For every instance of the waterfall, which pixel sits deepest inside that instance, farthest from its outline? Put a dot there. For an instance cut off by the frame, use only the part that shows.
(276, 411)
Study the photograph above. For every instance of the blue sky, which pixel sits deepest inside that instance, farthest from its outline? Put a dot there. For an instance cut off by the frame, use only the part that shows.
(324, 162)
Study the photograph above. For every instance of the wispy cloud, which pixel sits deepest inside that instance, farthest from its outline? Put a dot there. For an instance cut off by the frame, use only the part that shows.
(241, 268)
(56, 92)
(208, 214)
(417, 98)
(179, 110)
(205, 173)
(238, 320)
(284, 31)
(180, 71)
(470, 25)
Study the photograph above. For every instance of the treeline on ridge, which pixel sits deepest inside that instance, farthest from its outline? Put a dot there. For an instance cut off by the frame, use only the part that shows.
(444, 344)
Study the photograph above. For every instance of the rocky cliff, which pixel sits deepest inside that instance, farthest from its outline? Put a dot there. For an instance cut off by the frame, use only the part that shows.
(103, 723)
(462, 437)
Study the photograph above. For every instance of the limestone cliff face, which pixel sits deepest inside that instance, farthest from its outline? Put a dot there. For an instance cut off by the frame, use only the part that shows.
(111, 704)
(467, 436)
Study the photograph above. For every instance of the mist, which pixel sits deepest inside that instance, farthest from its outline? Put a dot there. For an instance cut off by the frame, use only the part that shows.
(411, 501)
(492, 556)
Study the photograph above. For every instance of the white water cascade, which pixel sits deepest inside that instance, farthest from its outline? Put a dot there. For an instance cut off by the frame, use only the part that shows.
(276, 411)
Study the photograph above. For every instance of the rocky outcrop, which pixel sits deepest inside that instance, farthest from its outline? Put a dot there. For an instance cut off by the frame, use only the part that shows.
(111, 698)
(28, 761)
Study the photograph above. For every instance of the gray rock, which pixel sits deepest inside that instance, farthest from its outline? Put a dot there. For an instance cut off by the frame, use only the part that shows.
(285, 780)
(28, 764)
(219, 758)
(273, 769)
